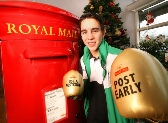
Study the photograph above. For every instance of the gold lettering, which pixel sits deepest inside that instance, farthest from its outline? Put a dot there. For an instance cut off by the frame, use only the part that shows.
(72, 33)
(44, 30)
(35, 28)
(69, 33)
(61, 33)
(11, 27)
(51, 31)
(75, 34)
(28, 27)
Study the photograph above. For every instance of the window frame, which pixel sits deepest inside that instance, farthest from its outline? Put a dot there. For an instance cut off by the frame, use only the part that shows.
(139, 5)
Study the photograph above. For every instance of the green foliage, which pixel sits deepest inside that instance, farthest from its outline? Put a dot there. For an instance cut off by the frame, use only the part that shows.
(110, 16)
(155, 48)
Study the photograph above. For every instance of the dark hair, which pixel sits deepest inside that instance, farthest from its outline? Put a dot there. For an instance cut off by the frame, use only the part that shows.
(91, 15)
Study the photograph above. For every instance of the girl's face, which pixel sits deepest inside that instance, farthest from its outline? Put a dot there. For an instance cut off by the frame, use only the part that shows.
(91, 34)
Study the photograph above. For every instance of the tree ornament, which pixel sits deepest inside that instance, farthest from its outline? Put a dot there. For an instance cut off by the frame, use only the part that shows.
(149, 18)
(113, 15)
(160, 38)
(109, 34)
(109, 39)
(147, 38)
(112, 4)
(106, 22)
(91, 7)
(117, 32)
(123, 32)
(100, 9)
(117, 19)
(106, 27)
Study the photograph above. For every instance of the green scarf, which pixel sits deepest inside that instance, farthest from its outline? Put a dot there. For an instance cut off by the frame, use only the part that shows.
(103, 52)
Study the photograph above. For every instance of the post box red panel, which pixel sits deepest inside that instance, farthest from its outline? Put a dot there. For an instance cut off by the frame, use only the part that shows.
(39, 45)
(32, 20)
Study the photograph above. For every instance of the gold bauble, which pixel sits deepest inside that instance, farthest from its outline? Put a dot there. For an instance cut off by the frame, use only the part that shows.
(117, 32)
(100, 8)
(91, 7)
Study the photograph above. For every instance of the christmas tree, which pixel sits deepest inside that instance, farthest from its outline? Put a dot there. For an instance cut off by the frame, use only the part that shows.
(109, 12)
(157, 47)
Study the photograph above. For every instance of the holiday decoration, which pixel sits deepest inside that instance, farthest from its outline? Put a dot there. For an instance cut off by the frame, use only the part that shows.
(91, 7)
(123, 32)
(109, 11)
(113, 15)
(106, 22)
(109, 34)
(147, 38)
(117, 19)
(112, 4)
(149, 18)
(117, 33)
(100, 9)
(160, 38)
(110, 39)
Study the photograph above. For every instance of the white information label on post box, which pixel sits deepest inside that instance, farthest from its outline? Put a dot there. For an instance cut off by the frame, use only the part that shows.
(55, 103)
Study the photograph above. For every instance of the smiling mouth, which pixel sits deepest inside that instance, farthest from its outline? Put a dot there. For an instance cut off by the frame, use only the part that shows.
(91, 44)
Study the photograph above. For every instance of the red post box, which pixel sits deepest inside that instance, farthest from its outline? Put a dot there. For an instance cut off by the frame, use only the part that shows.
(39, 45)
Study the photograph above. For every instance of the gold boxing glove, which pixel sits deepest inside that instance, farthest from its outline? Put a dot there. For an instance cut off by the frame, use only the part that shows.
(73, 85)
(139, 85)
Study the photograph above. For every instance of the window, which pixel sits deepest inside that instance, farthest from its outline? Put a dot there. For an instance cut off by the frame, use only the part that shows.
(159, 11)
(159, 26)
(152, 32)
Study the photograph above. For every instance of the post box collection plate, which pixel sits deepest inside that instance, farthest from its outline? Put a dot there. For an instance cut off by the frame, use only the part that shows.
(55, 104)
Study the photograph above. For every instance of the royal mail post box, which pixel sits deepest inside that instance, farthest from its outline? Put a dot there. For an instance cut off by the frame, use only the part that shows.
(39, 45)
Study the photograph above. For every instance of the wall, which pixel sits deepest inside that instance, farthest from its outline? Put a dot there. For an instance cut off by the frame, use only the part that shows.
(76, 7)
(73, 6)
(128, 18)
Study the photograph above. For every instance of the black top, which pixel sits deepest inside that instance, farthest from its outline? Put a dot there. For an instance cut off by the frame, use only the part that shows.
(98, 107)
(97, 112)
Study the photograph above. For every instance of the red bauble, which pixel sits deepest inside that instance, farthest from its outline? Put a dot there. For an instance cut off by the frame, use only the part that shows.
(106, 22)
(123, 32)
(112, 4)
(113, 15)
(117, 19)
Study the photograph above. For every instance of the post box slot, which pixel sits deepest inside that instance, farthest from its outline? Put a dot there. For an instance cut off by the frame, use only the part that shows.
(43, 52)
